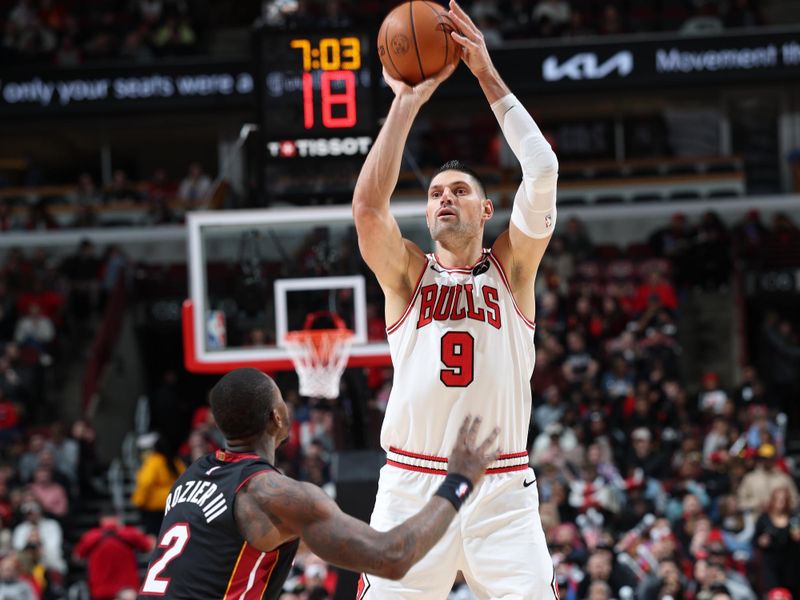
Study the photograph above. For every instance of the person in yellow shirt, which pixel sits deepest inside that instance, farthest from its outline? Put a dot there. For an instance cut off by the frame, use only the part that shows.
(160, 468)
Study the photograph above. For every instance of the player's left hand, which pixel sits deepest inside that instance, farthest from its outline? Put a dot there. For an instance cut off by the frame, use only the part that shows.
(473, 47)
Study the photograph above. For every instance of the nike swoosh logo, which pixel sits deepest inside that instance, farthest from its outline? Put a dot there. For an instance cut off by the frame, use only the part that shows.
(527, 483)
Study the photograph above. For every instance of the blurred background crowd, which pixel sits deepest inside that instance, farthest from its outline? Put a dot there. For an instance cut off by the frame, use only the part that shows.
(664, 431)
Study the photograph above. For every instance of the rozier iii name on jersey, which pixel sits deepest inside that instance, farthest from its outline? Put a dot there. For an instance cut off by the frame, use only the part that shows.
(204, 494)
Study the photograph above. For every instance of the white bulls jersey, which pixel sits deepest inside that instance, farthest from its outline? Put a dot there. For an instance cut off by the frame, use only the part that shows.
(461, 347)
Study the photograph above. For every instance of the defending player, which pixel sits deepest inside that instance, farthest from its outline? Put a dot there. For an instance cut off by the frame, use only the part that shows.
(232, 522)
(460, 329)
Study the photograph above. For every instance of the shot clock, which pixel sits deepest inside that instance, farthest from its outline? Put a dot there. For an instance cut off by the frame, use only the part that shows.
(317, 85)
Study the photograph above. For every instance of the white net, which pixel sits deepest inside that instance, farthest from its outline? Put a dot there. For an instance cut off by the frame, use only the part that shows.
(319, 357)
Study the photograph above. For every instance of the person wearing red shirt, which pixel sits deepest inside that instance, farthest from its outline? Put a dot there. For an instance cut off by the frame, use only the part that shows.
(110, 550)
(656, 286)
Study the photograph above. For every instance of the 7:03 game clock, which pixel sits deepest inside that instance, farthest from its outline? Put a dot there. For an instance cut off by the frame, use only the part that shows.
(316, 84)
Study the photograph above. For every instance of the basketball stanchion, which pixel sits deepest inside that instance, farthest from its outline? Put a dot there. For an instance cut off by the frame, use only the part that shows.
(320, 355)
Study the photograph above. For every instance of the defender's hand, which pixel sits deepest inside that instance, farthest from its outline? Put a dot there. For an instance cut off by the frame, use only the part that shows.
(467, 458)
(424, 89)
(473, 47)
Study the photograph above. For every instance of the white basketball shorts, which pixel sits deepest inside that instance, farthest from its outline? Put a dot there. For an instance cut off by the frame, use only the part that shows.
(496, 540)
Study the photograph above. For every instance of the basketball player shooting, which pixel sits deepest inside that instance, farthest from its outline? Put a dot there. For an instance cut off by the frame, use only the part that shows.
(460, 330)
(233, 522)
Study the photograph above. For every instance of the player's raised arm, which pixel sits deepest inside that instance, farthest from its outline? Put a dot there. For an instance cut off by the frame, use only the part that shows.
(533, 217)
(273, 502)
(379, 239)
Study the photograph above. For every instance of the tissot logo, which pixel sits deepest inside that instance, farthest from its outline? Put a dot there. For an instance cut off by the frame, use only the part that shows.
(348, 146)
(587, 65)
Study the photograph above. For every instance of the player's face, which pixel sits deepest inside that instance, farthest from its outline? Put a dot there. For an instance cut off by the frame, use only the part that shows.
(455, 205)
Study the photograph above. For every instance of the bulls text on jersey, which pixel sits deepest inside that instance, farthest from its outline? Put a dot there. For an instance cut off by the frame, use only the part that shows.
(456, 302)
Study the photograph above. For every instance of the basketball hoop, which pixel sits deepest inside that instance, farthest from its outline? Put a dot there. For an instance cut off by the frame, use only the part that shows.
(319, 355)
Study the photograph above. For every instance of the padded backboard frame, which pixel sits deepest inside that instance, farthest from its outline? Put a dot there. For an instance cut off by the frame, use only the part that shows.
(272, 358)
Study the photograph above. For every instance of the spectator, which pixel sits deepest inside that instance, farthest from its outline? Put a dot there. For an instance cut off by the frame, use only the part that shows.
(47, 531)
(551, 410)
(121, 190)
(655, 289)
(578, 365)
(30, 459)
(551, 17)
(598, 570)
(713, 397)
(159, 188)
(51, 496)
(110, 552)
(756, 489)
(12, 586)
(35, 329)
(154, 479)
(87, 193)
(66, 450)
(40, 218)
(750, 390)
(195, 188)
(777, 536)
(644, 457)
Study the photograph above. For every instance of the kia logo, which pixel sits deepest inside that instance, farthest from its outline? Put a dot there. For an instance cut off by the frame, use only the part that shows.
(586, 65)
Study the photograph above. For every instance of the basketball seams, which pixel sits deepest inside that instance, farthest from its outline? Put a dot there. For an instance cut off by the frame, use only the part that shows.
(414, 36)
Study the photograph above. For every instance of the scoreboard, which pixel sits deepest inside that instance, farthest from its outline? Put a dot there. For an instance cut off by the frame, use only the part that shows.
(316, 85)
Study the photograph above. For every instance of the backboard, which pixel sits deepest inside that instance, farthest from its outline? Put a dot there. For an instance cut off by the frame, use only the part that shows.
(256, 274)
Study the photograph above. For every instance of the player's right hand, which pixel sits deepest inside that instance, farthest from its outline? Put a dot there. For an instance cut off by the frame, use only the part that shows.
(424, 89)
(473, 47)
(468, 458)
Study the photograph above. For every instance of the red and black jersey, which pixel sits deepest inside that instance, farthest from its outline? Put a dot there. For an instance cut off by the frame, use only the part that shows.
(201, 555)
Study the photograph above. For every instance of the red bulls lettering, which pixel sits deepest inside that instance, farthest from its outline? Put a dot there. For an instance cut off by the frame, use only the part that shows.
(442, 303)
(428, 296)
(471, 312)
(455, 313)
(490, 296)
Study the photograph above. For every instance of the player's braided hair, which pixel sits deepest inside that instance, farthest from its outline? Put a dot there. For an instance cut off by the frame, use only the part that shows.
(241, 402)
(457, 165)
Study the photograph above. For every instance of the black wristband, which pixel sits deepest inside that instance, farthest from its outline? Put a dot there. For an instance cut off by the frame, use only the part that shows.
(455, 489)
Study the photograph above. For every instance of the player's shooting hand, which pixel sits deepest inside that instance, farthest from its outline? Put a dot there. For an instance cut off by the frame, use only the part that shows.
(473, 47)
(468, 458)
(424, 89)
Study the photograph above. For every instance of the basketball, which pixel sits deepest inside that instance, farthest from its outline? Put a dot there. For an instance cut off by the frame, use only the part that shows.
(414, 41)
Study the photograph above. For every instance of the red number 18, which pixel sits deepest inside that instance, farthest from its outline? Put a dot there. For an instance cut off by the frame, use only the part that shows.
(330, 99)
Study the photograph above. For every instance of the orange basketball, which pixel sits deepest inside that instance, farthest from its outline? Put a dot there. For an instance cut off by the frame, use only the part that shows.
(414, 41)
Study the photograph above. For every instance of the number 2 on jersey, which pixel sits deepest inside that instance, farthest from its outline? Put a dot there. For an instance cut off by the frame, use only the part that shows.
(458, 357)
(174, 541)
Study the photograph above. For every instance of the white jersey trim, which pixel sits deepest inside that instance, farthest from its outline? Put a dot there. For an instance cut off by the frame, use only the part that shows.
(394, 326)
(504, 277)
